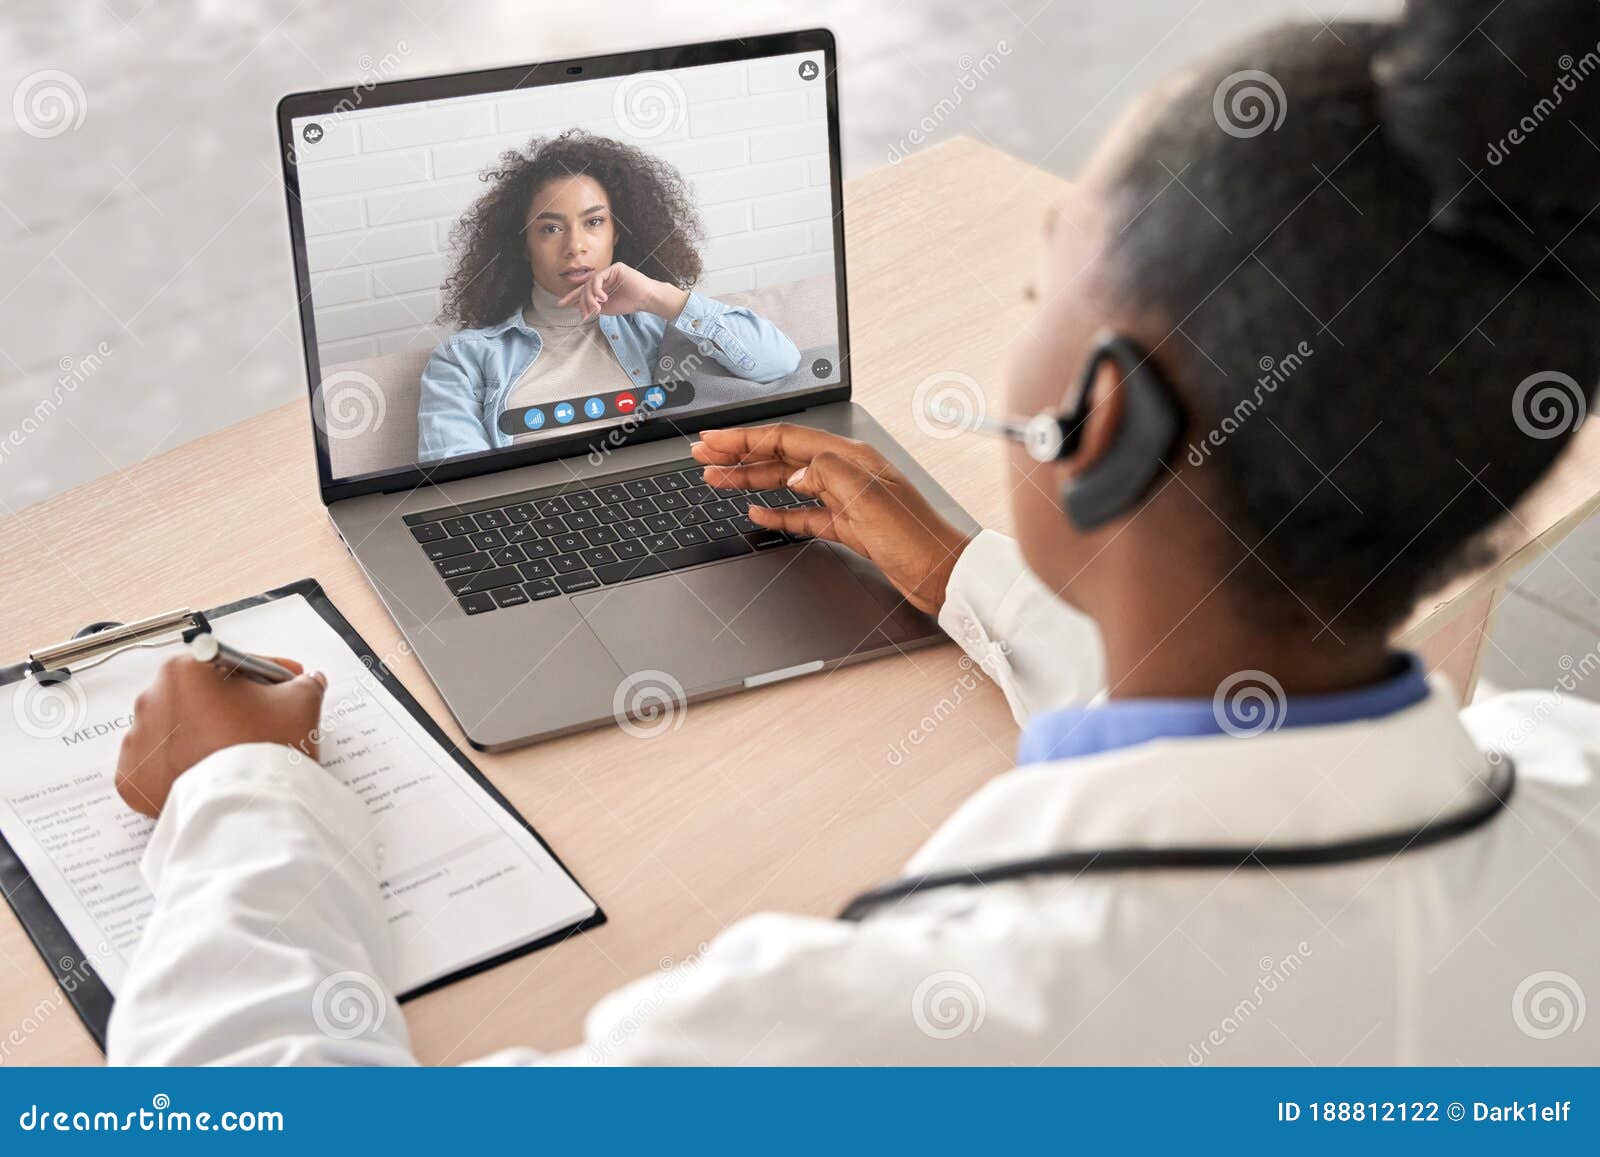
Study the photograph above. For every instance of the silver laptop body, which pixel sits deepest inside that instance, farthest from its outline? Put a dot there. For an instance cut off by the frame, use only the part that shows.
(576, 578)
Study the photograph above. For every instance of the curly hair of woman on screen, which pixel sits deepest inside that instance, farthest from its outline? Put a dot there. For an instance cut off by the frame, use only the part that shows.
(567, 273)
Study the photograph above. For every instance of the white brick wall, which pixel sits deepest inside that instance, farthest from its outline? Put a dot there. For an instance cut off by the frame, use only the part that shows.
(382, 188)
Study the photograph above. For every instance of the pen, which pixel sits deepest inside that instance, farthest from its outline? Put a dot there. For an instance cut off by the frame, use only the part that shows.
(232, 661)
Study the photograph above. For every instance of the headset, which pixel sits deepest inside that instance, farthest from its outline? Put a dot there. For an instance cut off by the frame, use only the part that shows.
(1153, 421)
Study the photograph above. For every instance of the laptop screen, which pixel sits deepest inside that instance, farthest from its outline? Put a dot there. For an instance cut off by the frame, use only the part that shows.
(499, 269)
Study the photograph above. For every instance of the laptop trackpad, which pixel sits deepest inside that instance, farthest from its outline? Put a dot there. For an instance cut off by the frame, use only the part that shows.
(720, 624)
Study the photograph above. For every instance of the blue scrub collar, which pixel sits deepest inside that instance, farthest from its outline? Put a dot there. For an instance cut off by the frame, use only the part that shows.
(1118, 723)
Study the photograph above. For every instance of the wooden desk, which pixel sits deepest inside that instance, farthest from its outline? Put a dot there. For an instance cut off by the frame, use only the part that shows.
(680, 835)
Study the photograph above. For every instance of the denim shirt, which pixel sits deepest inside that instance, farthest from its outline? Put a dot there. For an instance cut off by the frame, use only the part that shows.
(466, 381)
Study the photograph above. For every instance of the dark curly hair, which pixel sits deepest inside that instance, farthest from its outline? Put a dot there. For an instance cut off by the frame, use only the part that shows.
(658, 230)
(1448, 282)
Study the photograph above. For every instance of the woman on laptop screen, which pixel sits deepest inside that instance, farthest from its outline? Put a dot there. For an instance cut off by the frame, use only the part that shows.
(568, 274)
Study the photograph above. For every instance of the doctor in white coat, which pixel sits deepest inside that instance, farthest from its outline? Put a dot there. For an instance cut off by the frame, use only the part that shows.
(1343, 310)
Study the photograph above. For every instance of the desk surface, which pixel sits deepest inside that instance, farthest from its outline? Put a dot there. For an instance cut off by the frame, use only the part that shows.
(680, 835)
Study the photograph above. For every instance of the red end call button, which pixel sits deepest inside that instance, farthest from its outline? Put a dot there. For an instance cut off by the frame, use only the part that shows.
(625, 403)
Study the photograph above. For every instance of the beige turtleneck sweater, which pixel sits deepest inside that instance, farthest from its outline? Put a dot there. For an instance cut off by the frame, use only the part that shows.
(576, 362)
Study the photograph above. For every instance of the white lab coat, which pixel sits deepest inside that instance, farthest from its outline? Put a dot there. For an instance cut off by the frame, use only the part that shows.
(1480, 950)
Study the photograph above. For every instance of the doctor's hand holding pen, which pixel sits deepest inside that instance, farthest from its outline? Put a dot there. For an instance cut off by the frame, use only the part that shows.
(867, 504)
(194, 709)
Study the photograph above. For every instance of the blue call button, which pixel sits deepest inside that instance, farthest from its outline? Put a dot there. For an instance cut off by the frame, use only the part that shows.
(564, 412)
(593, 408)
(533, 418)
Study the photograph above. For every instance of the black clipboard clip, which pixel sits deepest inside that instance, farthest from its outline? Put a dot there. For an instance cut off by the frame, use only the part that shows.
(99, 641)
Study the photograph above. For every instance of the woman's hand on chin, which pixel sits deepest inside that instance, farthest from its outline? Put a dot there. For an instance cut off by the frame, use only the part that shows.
(619, 289)
(867, 504)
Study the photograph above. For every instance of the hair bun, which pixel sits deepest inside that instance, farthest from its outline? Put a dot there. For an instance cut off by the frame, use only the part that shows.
(1498, 106)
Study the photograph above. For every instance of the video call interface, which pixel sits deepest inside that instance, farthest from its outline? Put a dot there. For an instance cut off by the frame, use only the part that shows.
(493, 270)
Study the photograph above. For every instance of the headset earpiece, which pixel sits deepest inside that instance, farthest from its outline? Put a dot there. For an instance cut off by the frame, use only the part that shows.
(1152, 422)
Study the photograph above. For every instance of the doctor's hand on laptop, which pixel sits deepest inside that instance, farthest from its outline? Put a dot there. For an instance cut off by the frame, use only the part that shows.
(192, 711)
(867, 504)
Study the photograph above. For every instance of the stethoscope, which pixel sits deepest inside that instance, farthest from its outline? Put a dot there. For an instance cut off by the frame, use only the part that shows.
(1501, 783)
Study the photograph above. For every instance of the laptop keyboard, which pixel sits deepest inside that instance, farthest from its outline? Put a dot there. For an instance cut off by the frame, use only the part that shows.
(520, 548)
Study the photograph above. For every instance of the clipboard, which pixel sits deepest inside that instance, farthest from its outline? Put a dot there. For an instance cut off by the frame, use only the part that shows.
(72, 969)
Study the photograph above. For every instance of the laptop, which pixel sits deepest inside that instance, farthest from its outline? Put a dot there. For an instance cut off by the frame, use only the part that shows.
(509, 468)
